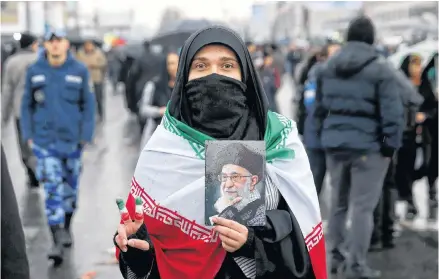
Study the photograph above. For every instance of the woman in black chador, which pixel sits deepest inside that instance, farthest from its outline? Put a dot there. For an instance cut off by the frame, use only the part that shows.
(217, 93)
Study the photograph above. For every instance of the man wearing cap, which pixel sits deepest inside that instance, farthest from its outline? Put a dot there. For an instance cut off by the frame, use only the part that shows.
(12, 92)
(239, 171)
(57, 121)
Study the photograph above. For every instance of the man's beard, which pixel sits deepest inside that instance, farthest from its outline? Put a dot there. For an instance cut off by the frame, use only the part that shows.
(245, 191)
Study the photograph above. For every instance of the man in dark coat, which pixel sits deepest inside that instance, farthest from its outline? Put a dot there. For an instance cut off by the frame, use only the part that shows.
(360, 121)
(14, 261)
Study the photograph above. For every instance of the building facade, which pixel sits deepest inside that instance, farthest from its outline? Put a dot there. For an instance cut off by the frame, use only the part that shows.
(13, 17)
(277, 21)
(261, 21)
(403, 17)
(332, 17)
(32, 16)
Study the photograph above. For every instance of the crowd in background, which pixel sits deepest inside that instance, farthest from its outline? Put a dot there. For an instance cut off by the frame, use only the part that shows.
(362, 120)
(336, 85)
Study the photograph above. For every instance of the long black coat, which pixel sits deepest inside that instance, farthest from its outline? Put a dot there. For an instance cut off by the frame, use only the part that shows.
(14, 261)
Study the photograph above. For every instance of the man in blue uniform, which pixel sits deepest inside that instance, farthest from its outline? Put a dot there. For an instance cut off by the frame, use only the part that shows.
(57, 121)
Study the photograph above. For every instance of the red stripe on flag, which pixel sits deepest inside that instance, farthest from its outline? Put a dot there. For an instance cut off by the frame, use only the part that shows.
(183, 248)
(315, 242)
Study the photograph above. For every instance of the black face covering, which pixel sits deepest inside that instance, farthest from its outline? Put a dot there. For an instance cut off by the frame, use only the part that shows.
(216, 105)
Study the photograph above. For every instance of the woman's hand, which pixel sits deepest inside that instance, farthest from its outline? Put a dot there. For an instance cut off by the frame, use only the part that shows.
(130, 227)
(233, 235)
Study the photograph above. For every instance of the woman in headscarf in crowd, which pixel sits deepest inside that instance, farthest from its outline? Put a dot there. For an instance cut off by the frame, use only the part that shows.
(157, 93)
(218, 96)
(384, 215)
(267, 74)
(405, 167)
(429, 90)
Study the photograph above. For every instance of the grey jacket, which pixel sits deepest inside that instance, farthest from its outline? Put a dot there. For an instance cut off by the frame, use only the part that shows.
(13, 82)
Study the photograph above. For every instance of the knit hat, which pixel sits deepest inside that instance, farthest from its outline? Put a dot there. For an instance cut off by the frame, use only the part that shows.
(361, 29)
(27, 40)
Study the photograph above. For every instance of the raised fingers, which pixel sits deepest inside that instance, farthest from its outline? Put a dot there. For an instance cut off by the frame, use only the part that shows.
(138, 215)
(121, 238)
(124, 214)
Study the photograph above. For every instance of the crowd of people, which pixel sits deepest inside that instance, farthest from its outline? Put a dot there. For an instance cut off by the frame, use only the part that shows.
(363, 122)
(359, 120)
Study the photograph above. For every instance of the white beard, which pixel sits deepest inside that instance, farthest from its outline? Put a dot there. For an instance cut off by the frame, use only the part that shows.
(246, 194)
(225, 200)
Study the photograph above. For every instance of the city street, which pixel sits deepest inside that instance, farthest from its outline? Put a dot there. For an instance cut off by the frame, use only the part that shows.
(108, 166)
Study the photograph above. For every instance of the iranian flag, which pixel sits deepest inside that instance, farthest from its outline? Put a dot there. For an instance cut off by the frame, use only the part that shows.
(170, 178)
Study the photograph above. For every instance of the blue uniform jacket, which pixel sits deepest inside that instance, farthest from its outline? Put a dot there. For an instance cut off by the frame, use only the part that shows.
(58, 107)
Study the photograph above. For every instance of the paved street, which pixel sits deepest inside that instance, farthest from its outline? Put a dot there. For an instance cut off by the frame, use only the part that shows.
(108, 166)
(107, 171)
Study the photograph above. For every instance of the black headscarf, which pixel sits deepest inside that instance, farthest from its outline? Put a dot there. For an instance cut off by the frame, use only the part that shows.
(249, 127)
(163, 92)
(405, 66)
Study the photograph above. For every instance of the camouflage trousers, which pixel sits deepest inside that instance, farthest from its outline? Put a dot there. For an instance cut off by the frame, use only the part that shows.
(59, 173)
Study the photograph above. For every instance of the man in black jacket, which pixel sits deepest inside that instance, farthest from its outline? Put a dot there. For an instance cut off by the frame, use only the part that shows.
(360, 120)
(14, 262)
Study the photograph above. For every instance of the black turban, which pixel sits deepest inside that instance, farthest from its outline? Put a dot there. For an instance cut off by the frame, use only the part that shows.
(238, 154)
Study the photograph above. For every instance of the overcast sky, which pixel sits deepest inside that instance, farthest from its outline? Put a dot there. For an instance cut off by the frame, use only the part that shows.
(150, 14)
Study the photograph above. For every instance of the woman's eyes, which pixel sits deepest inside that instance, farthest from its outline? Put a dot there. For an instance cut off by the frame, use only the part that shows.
(199, 66)
(202, 66)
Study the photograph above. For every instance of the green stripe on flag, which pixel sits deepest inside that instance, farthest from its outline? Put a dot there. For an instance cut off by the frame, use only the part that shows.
(278, 129)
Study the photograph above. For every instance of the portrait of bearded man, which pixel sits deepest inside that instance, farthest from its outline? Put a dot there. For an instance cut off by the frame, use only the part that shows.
(240, 172)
